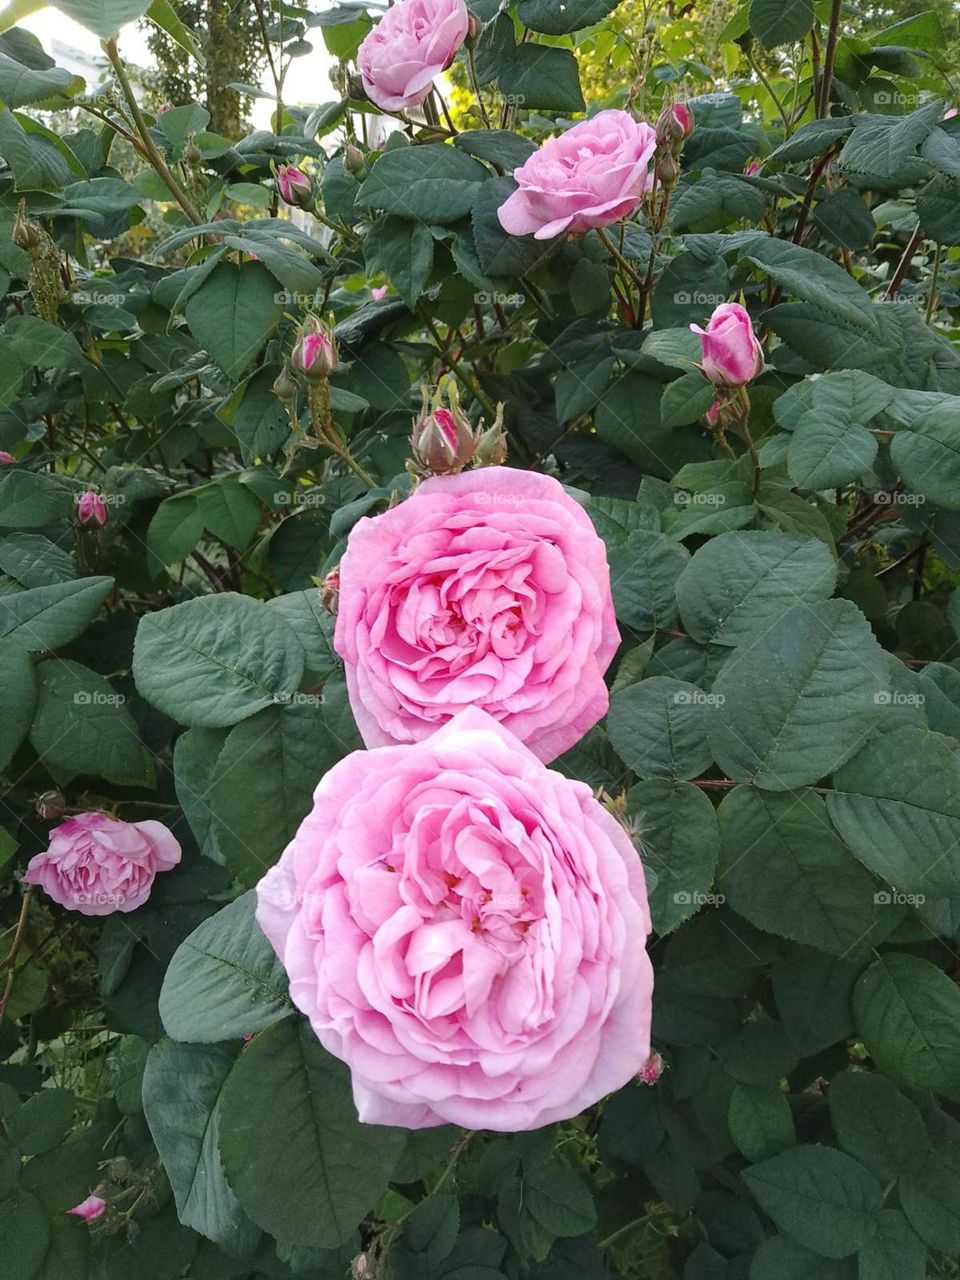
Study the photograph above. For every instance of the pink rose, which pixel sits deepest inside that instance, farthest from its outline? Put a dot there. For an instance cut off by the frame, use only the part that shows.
(91, 508)
(315, 354)
(97, 865)
(675, 124)
(294, 185)
(590, 176)
(490, 589)
(88, 1209)
(732, 356)
(408, 48)
(6, 458)
(752, 169)
(467, 930)
(379, 293)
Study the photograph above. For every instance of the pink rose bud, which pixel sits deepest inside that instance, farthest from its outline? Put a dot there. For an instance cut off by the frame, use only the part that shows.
(675, 125)
(379, 292)
(315, 353)
(408, 48)
(652, 1069)
(358, 1267)
(330, 590)
(164, 107)
(294, 185)
(948, 115)
(713, 414)
(5, 457)
(752, 168)
(592, 175)
(89, 1209)
(668, 170)
(442, 441)
(51, 805)
(732, 356)
(91, 508)
(97, 864)
(492, 444)
(354, 161)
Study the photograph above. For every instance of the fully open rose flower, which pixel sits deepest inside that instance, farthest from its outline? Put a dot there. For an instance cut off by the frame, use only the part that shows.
(732, 356)
(467, 930)
(408, 48)
(488, 589)
(590, 176)
(97, 864)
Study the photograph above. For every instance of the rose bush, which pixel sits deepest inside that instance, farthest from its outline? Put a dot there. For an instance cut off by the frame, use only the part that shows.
(679, 291)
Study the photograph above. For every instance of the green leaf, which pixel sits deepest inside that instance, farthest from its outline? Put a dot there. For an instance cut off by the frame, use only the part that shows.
(433, 183)
(18, 698)
(907, 1012)
(812, 992)
(301, 1164)
(233, 313)
(876, 1124)
(738, 584)
(48, 617)
(809, 276)
(103, 17)
(896, 805)
(845, 219)
(658, 728)
(36, 342)
(780, 1258)
(821, 1197)
(81, 727)
(559, 1201)
(35, 561)
(644, 569)
(263, 781)
(784, 869)
(801, 699)
(313, 626)
(827, 416)
(20, 85)
(774, 22)
(937, 203)
(224, 981)
(559, 19)
(931, 1200)
(431, 1230)
(216, 660)
(880, 145)
(30, 500)
(927, 454)
(42, 1122)
(500, 254)
(681, 846)
(403, 251)
(760, 1120)
(183, 1087)
(194, 757)
(895, 1252)
(40, 161)
(533, 76)
(24, 1234)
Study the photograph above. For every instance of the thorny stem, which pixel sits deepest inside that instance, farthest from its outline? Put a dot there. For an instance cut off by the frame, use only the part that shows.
(327, 432)
(11, 957)
(829, 59)
(903, 266)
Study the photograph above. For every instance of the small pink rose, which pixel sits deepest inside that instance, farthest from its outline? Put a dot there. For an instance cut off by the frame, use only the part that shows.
(6, 458)
(732, 356)
(294, 185)
(592, 175)
(97, 864)
(652, 1069)
(409, 47)
(467, 930)
(752, 168)
(379, 292)
(490, 589)
(91, 508)
(89, 1210)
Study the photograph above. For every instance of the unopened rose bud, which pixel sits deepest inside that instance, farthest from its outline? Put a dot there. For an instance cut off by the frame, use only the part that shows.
(354, 161)
(285, 386)
(355, 90)
(668, 171)
(752, 168)
(674, 126)
(91, 508)
(379, 293)
(294, 185)
(358, 1267)
(26, 234)
(51, 806)
(732, 356)
(6, 458)
(330, 590)
(192, 153)
(89, 1210)
(652, 1069)
(474, 29)
(713, 414)
(315, 354)
(164, 107)
(492, 445)
(442, 441)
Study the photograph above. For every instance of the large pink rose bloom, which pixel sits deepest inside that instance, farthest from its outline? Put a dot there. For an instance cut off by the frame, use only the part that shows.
(488, 589)
(590, 176)
(97, 865)
(408, 48)
(467, 930)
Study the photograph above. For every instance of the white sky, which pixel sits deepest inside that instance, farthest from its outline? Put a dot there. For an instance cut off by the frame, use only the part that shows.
(307, 81)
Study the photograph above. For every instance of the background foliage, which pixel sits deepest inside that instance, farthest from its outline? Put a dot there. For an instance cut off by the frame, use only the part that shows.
(785, 718)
